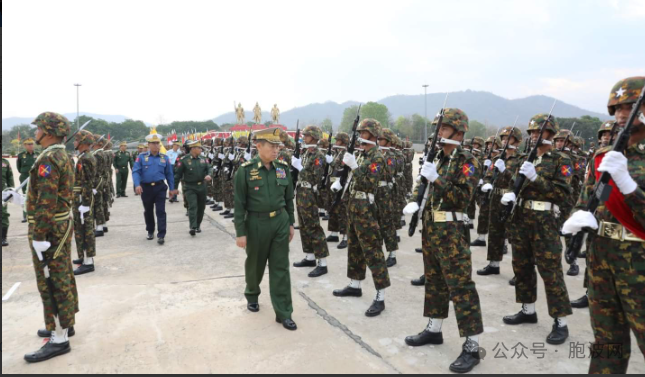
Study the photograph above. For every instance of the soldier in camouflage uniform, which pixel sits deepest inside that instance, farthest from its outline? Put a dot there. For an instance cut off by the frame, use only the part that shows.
(324, 194)
(216, 172)
(310, 166)
(338, 213)
(387, 201)
(409, 160)
(227, 184)
(7, 182)
(616, 258)
(365, 241)
(108, 193)
(85, 179)
(483, 223)
(453, 177)
(24, 163)
(49, 199)
(475, 147)
(535, 236)
(503, 171)
(400, 200)
(99, 189)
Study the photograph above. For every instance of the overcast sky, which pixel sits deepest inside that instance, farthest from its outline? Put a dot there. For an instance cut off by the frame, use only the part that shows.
(190, 60)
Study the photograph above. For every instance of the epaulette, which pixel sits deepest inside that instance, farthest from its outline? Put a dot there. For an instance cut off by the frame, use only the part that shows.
(282, 162)
(248, 163)
(606, 149)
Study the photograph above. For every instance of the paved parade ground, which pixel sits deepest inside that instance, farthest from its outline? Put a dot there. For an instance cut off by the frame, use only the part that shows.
(180, 308)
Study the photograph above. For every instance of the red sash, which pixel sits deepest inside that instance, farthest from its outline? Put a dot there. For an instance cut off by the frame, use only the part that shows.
(617, 206)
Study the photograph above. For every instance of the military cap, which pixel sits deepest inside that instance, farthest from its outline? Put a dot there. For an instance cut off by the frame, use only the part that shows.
(271, 135)
(53, 124)
(195, 144)
(177, 143)
(153, 138)
(141, 146)
(28, 141)
(84, 137)
(536, 123)
(313, 131)
(372, 126)
(625, 92)
(123, 143)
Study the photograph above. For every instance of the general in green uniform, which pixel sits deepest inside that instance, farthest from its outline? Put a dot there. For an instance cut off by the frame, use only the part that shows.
(264, 218)
(122, 160)
(193, 170)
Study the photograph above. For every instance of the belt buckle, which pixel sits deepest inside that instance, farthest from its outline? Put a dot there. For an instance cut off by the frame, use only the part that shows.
(361, 195)
(539, 206)
(440, 217)
(273, 214)
(152, 184)
(613, 231)
(199, 183)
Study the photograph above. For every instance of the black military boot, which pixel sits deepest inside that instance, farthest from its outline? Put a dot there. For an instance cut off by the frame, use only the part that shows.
(229, 216)
(288, 324)
(488, 270)
(84, 269)
(521, 318)
(424, 338)
(574, 270)
(376, 309)
(217, 208)
(581, 303)
(403, 223)
(305, 263)
(48, 334)
(391, 262)
(348, 292)
(78, 261)
(210, 202)
(419, 250)
(228, 211)
(253, 307)
(333, 239)
(468, 359)
(48, 351)
(318, 272)
(98, 233)
(505, 249)
(558, 335)
(512, 281)
(342, 245)
(420, 282)
(192, 232)
(582, 255)
(105, 229)
(478, 243)
(4, 237)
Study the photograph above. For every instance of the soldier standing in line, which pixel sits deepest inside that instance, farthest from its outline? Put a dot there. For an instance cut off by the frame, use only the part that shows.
(194, 170)
(338, 214)
(85, 179)
(108, 197)
(49, 200)
(484, 210)
(101, 182)
(399, 181)
(122, 160)
(454, 175)
(409, 160)
(476, 145)
(365, 241)
(24, 163)
(227, 184)
(7, 182)
(323, 193)
(387, 202)
(216, 172)
(313, 238)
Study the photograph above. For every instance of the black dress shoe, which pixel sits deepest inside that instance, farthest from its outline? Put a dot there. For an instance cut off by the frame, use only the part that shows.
(574, 270)
(418, 250)
(229, 216)
(24, 221)
(424, 338)
(84, 269)
(305, 263)
(512, 281)
(210, 202)
(253, 308)
(150, 237)
(465, 362)
(582, 255)
(198, 230)
(124, 196)
(376, 309)
(321, 214)
(348, 292)
(48, 334)
(296, 227)
(217, 209)
(4, 242)
(333, 239)
(420, 282)
(228, 211)
(161, 241)
(98, 233)
(319, 271)
(192, 232)
(342, 245)
(391, 262)
(558, 335)
(488, 270)
(325, 218)
(505, 250)
(105, 229)
(47, 352)
(288, 324)
(77, 261)
(520, 318)
(581, 303)
(478, 243)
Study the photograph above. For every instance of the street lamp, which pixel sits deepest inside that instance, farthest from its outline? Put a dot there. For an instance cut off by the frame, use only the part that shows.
(425, 99)
(77, 105)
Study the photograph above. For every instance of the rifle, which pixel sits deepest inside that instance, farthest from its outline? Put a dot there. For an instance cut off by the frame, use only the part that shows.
(519, 183)
(564, 146)
(424, 185)
(325, 177)
(344, 175)
(296, 154)
(490, 155)
(603, 189)
(220, 161)
(502, 157)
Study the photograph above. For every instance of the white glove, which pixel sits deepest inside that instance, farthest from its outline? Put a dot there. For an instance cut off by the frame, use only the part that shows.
(411, 209)
(40, 247)
(247, 156)
(350, 161)
(488, 163)
(578, 221)
(508, 198)
(429, 171)
(231, 156)
(16, 197)
(94, 191)
(296, 163)
(615, 164)
(528, 170)
(487, 187)
(215, 169)
(83, 209)
(500, 165)
(336, 187)
(481, 182)
(221, 156)
(211, 156)
(329, 159)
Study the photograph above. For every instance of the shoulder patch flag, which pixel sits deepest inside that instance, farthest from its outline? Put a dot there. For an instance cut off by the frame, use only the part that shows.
(468, 170)
(566, 170)
(44, 171)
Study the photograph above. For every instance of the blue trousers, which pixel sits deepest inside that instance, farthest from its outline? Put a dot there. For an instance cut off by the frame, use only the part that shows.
(154, 198)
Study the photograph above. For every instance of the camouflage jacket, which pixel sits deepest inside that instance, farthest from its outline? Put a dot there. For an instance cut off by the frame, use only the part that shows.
(85, 178)
(101, 173)
(505, 180)
(636, 200)
(50, 195)
(285, 156)
(313, 162)
(7, 175)
(369, 173)
(553, 183)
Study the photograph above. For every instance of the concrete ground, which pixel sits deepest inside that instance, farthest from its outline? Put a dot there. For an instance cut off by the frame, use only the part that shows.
(180, 308)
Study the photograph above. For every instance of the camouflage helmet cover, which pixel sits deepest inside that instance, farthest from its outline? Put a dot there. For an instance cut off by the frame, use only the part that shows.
(478, 140)
(625, 92)
(608, 126)
(53, 124)
(388, 134)
(494, 139)
(323, 143)
(578, 142)
(512, 131)
(536, 123)
(372, 126)
(243, 142)
(84, 137)
(313, 131)
(343, 137)
(563, 134)
(455, 118)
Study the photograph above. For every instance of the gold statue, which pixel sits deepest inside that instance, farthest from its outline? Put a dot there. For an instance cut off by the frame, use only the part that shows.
(275, 114)
(239, 113)
(257, 114)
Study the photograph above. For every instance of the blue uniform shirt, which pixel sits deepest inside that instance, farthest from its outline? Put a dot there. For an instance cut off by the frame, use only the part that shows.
(149, 169)
(173, 156)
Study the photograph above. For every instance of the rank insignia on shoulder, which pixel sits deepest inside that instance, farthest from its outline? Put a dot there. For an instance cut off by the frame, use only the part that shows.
(246, 164)
(283, 162)
(468, 170)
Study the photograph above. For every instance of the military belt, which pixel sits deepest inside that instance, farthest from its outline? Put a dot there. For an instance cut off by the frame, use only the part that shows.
(153, 183)
(78, 189)
(266, 215)
(333, 179)
(382, 184)
(304, 185)
(59, 217)
(617, 232)
(447, 217)
(501, 192)
(539, 206)
(363, 196)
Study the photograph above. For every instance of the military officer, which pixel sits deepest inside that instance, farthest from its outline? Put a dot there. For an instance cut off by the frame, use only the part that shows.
(194, 171)
(135, 155)
(122, 160)
(24, 163)
(264, 218)
(49, 200)
(84, 182)
(7, 182)
(616, 258)
(338, 213)
(150, 171)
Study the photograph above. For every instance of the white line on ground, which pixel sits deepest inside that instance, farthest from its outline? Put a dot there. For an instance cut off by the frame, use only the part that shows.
(11, 291)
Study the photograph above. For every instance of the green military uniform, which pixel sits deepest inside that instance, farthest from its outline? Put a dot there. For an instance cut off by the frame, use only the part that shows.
(389, 215)
(338, 213)
(24, 162)
(101, 182)
(264, 214)
(7, 181)
(192, 171)
(122, 160)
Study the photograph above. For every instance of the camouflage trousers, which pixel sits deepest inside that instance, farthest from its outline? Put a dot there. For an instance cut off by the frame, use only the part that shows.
(98, 208)
(536, 242)
(484, 213)
(497, 230)
(84, 233)
(472, 209)
(324, 196)
(217, 189)
(338, 216)
(62, 276)
(409, 179)
(365, 244)
(227, 192)
(400, 202)
(386, 210)
(616, 302)
(448, 270)
(106, 202)
(311, 232)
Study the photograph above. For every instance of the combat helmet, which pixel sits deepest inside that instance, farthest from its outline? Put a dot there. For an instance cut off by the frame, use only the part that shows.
(372, 126)
(511, 131)
(625, 91)
(53, 124)
(313, 131)
(455, 118)
(343, 137)
(536, 123)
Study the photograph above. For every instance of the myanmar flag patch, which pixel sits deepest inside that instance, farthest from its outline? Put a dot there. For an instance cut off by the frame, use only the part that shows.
(44, 171)
(567, 171)
(468, 170)
(375, 168)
